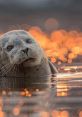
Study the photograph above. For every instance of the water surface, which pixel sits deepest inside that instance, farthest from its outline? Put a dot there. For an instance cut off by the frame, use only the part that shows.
(63, 98)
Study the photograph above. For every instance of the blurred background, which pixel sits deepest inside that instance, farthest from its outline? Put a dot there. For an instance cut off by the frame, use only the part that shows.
(56, 24)
(19, 13)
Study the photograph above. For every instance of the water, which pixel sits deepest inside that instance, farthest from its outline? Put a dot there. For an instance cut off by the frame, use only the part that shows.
(62, 99)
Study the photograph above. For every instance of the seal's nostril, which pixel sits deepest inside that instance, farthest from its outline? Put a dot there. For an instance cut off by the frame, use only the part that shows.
(25, 50)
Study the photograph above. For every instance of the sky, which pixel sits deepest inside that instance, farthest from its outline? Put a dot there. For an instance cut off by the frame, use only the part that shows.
(25, 13)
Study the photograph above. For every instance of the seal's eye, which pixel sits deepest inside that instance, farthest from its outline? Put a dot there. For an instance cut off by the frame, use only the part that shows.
(9, 47)
(28, 41)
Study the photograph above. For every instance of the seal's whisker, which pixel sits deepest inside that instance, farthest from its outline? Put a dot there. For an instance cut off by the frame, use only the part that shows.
(10, 67)
(5, 65)
(6, 68)
(14, 68)
(4, 71)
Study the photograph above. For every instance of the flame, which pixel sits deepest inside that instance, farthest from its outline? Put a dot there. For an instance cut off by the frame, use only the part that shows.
(59, 44)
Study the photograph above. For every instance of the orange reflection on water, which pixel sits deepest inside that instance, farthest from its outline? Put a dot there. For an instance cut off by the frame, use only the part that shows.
(44, 114)
(2, 114)
(55, 113)
(16, 110)
(60, 114)
(64, 114)
(62, 89)
(25, 93)
(4, 92)
(80, 114)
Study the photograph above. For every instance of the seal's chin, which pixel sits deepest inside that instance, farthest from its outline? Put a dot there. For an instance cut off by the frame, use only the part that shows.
(28, 60)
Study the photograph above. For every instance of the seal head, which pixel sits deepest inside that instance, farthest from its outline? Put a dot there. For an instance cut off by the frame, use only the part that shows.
(23, 63)
(21, 47)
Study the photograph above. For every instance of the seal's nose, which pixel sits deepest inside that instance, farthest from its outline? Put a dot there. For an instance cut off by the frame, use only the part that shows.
(25, 50)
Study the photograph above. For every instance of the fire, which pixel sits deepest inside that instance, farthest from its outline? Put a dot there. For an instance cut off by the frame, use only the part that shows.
(59, 44)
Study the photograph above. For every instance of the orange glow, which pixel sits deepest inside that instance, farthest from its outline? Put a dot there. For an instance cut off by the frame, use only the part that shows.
(64, 114)
(16, 110)
(22, 93)
(2, 114)
(25, 93)
(69, 60)
(44, 114)
(55, 113)
(62, 93)
(4, 92)
(29, 95)
(53, 59)
(62, 89)
(59, 44)
(37, 90)
(80, 114)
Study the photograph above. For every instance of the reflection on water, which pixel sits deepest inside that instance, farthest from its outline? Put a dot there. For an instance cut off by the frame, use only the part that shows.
(23, 103)
(62, 99)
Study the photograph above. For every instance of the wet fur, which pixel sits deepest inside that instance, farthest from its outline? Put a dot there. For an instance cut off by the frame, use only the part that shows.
(16, 75)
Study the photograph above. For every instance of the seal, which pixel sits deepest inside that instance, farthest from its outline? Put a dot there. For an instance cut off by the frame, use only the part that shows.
(23, 62)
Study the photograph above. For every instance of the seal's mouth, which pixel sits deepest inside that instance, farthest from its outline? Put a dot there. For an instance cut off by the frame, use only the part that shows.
(28, 60)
